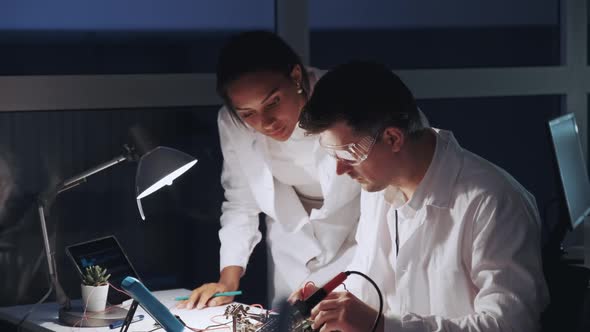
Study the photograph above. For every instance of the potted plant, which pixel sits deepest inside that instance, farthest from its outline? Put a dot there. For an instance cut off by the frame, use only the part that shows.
(95, 288)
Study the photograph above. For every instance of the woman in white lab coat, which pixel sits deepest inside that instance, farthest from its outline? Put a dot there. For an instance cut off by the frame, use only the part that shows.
(270, 166)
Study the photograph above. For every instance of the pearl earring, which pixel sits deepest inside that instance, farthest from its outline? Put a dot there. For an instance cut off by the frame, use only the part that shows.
(299, 88)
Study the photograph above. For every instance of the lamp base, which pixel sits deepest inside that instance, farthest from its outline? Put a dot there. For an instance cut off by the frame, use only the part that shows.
(75, 316)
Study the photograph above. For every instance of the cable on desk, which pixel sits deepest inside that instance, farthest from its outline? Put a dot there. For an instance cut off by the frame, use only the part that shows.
(84, 317)
(218, 323)
(119, 290)
(210, 327)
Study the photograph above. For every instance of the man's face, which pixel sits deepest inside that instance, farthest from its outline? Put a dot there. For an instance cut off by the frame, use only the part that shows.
(375, 171)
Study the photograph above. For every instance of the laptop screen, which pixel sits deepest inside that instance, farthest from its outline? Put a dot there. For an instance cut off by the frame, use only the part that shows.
(107, 253)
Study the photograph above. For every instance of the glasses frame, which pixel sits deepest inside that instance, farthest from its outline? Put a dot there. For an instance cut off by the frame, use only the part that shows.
(359, 151)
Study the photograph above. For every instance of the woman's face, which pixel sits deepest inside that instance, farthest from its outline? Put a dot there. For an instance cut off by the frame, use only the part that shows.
(268, 102)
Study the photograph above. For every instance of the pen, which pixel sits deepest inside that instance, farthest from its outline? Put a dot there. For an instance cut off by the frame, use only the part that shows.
(118, 323)
(234, 293)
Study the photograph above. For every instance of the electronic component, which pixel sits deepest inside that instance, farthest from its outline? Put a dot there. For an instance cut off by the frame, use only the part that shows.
(303, 307)
(294, 318)
(243, 320)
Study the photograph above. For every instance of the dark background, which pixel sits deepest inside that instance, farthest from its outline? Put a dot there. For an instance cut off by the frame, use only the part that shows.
(177, 246)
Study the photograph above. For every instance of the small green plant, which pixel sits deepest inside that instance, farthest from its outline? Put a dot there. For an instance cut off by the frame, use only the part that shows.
(95, 276)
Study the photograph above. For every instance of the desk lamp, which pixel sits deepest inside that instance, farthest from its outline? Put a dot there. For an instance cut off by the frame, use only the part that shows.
(157, 166)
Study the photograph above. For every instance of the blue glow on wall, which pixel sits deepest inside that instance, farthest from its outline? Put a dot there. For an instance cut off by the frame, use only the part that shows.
(136, 14)
(131, 15)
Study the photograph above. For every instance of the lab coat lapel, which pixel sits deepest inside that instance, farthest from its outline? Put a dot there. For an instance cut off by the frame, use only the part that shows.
(260, 175)
(433, 216)
(337, 190)
(414, 245)
(374, 220)
(289, 209)
(280, 202)
(277, 200)
(326, 173)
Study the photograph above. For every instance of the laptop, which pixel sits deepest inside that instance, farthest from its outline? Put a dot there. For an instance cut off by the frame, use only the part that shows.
(108, 253)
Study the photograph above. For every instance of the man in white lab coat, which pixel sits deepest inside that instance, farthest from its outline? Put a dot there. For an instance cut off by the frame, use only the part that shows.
(451, 239)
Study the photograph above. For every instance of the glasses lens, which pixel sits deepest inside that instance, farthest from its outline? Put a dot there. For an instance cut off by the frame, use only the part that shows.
(353, 153)
(344, 155)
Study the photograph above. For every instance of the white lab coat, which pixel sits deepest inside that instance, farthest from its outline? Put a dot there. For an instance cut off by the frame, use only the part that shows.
(303, 247)
(469, 259)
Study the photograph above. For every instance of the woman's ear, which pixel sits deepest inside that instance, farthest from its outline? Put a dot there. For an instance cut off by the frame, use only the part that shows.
(296, 75)
(394, 137)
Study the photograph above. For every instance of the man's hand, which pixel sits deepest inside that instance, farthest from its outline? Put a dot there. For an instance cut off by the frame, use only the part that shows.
(203, 295)
(343, 311)
(302, 293)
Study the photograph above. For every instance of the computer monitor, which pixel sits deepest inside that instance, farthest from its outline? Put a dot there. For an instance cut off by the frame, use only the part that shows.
(571, 166)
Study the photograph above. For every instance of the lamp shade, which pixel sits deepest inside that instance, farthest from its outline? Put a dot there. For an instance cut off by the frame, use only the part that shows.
(157, 168)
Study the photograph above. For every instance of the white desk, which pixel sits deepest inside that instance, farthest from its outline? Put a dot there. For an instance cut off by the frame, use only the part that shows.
(45, 318)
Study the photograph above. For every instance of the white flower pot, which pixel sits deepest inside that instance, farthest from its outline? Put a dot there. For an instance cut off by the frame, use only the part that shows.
(95, 297)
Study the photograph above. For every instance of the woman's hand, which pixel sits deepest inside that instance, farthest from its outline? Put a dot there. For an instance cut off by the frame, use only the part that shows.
(203, 295)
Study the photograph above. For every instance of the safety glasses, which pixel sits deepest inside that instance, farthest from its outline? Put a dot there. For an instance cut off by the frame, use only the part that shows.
(353, 153)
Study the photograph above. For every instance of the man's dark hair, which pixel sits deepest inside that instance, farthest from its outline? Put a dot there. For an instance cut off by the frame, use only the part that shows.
(253, 52)
(367, 96)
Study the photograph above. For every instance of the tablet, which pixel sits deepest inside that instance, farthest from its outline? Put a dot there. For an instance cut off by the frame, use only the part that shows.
(152, 305)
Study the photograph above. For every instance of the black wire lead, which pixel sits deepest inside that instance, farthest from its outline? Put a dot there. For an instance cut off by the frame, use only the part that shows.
(378, 293)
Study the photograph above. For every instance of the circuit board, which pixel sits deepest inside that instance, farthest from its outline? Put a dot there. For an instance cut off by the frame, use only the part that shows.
(244, 320)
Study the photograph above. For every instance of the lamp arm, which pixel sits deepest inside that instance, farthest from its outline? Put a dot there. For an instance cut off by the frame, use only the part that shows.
(48, 197)
(80, 178)
(62, 299)
(44, 203)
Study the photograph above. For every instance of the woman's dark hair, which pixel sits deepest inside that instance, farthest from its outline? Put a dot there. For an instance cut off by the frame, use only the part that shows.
(251, 52)
(367, 96)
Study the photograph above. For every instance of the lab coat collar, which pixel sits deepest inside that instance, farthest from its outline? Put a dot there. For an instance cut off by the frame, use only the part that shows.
(331, 184)
(446, 166)
(439, 178)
